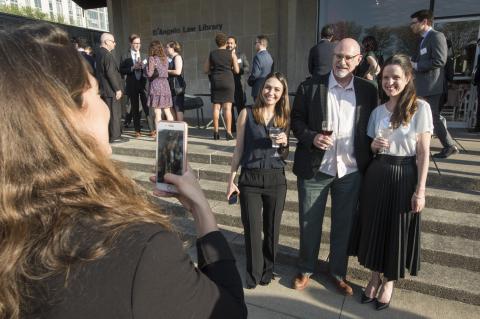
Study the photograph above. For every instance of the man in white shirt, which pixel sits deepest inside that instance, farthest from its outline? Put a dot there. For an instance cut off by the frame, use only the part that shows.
(331, 163)
(132, 67)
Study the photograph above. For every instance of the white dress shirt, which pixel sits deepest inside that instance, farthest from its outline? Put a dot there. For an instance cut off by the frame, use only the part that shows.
(339, 160)
(135, 57)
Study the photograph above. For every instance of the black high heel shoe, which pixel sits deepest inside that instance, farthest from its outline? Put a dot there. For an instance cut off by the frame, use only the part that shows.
(229, 136)
(366, 299)
(380, 305)
(216, 136)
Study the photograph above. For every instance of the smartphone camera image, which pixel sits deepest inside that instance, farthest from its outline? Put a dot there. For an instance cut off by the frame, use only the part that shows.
(233, 198)
(171, 152)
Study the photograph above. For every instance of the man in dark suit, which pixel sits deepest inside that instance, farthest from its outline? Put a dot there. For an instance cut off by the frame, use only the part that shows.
(320, 56)
(335, 162)
(131, 66)
(240, 97)
(262, 65)
(476, 82)
(429, 64)
(110, 86)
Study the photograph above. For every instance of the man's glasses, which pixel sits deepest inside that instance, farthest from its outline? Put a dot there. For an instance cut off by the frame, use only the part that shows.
(347, 58)
(113, 41)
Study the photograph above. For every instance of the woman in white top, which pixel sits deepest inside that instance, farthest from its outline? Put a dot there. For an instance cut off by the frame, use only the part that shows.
(387, 237)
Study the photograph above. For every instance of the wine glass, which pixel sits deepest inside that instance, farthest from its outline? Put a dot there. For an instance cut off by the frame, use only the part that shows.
(385, 132)
(273, 134)
(327, 129)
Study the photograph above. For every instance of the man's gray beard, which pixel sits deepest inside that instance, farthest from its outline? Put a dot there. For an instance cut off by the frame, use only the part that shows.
(341, 73)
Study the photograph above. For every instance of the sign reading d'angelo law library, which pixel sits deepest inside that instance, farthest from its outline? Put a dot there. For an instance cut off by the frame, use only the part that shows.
(187, 29)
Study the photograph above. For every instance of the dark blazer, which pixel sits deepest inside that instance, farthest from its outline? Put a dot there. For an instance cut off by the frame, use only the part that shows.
(148, 275)
(261, 67)
(308, 112)
(108, 74)
(244, 66)
(320, 58)
(90, 59)
(476, 79)
(431, 58)
(132, 85)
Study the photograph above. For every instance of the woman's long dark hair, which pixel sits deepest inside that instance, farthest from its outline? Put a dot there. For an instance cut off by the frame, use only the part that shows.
(282, 108)
(407, 102)
(55, 181)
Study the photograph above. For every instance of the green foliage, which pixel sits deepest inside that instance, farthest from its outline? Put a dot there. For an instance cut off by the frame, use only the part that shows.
(30, 12)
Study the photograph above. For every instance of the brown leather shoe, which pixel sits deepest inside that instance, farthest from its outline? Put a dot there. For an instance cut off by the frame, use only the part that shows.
(343, 287)
(138, 134)
(300, 282)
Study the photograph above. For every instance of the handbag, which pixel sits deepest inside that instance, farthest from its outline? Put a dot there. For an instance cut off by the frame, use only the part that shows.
(154, 75)
(179, 85)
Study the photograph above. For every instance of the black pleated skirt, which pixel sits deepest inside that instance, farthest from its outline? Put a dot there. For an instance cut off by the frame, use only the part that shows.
(386, 234)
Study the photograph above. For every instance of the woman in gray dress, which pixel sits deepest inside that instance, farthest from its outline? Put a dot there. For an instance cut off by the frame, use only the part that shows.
(220, 66)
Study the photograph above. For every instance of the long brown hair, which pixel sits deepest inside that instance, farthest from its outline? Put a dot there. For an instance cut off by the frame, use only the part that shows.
(54, 179)
(282, 108)
(407, 102)
(156, 49)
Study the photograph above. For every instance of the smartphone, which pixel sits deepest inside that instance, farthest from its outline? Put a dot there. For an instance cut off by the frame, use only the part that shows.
(233, 198)
(171, 152)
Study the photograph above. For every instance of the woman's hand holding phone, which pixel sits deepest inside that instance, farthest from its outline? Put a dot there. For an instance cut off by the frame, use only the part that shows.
(192, 198)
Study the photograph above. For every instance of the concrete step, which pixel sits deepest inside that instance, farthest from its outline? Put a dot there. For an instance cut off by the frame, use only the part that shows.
(459, 172)
(444, 250)
(435, 280)
(468, 202)
(435, 220)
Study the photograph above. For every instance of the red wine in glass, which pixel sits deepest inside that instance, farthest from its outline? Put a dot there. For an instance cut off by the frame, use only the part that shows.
(327, 128)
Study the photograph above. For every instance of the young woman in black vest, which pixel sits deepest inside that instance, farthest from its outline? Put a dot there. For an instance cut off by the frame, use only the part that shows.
(262, 182)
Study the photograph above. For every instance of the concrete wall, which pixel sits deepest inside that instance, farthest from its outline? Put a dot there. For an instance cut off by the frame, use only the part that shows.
(290, 25)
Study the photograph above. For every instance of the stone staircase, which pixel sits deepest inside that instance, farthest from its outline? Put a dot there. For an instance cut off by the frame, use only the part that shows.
(450, 229)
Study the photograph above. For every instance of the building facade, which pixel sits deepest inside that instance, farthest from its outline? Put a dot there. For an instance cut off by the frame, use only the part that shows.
(67, 11)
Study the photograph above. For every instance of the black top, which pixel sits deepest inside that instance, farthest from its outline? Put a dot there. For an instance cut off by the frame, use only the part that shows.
(222, 84)
(309, 109)
(147, 274)
(257, 149)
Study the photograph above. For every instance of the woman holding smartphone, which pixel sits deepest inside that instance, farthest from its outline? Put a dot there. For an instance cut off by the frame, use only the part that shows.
(387, 237)
(79, 238)
(262, 182)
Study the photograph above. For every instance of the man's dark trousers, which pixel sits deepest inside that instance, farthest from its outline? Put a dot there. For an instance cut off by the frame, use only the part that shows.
(136, 95)
(438, 127)
(115, 123)
(312, 195)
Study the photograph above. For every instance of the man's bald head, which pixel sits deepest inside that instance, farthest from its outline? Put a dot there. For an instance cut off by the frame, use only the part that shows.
(346, 57)
(107, 41)
(350, 45)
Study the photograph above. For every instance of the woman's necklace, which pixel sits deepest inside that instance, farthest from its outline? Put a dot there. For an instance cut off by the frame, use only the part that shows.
(390, 106)
(267, 117)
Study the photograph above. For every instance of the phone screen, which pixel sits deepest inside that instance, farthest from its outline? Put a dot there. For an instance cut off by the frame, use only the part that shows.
(170, 153)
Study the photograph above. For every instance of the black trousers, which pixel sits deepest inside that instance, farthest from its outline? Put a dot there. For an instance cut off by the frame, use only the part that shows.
(438, 128)
(262, 199)
(135, 98)
(115, 123)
